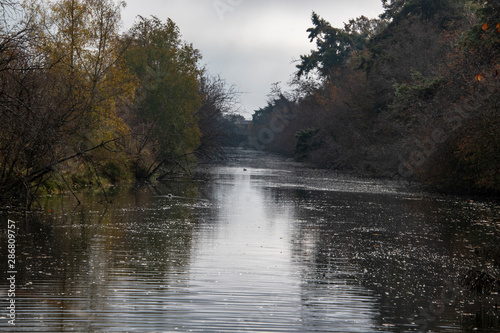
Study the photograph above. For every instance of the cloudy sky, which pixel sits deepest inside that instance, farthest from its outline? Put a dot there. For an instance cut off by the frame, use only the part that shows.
(250, 43)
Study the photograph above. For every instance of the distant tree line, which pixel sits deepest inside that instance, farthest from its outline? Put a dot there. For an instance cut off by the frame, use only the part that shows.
(84, 104)
(413, 94)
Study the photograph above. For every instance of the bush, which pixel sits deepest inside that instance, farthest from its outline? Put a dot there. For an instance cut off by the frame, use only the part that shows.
(307, 141)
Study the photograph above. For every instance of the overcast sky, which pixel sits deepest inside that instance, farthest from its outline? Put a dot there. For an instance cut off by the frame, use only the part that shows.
(250, 43)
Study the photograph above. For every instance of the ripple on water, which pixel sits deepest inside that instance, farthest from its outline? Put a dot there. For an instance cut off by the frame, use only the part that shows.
(275, 248)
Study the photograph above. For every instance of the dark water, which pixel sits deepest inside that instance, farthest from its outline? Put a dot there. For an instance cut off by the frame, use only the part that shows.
(276, 248)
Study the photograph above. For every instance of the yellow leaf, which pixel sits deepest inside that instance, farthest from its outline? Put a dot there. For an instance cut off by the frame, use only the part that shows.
(498, 27)
(485, 26)
(479, 77)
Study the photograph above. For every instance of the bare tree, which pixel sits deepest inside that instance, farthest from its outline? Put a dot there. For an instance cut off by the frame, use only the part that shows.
(219, 100)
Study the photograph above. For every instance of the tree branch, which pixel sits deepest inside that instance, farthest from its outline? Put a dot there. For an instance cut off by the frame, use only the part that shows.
(41, 172)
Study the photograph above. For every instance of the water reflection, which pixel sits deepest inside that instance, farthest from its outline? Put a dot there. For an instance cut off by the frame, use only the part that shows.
(273, 248)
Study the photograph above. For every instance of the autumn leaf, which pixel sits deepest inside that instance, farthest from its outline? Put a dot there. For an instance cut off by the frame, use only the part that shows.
(479, 77)
(498, 27)
(485, 26)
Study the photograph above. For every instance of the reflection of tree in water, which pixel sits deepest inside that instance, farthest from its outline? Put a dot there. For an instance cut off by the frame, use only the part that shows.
(330, 293)
(407, 252)
(91, 259)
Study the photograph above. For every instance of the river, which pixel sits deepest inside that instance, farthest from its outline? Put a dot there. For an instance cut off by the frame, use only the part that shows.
(255, 244)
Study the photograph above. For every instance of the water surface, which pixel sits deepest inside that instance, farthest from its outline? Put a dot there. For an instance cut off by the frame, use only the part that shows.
(256, 244)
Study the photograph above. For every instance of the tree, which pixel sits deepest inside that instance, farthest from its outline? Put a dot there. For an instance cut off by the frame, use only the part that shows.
(396, 10)
(412, 94)
(219, 102)
(334, 46)
(168, 96)
(447, 117)
(62, 83)
(86, 53)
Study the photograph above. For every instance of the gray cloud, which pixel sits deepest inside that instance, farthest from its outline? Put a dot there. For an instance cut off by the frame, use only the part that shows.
(250, 43)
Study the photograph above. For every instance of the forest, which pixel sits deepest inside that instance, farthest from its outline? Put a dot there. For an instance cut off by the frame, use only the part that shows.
(85, 105)
(412, 94)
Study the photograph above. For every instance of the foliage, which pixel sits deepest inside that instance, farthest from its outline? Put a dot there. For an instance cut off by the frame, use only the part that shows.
(334, 46)
(179, 109)
(412, 94)
(168, 96)
(305, 142)
(83, 104)
(62, 85)
(397, 10)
